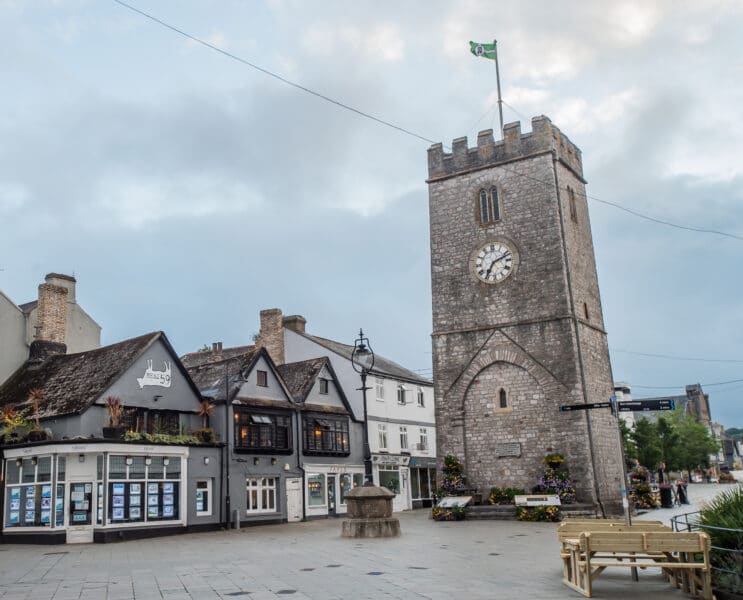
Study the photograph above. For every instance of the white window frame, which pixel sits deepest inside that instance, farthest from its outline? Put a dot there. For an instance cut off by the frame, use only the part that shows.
(403, 437)
(324, 386)
(421, 398)
(382, 433)
(423, 438)
(401, 389)
(209, 497)
(259, 487)
(379, 385)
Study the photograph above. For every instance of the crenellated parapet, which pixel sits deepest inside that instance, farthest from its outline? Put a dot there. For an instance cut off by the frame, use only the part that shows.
(544, 137)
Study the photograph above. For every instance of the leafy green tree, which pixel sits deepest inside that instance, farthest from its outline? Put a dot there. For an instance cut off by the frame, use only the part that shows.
(630, 449)
(645, 438)
(668, 440)
(695, 445)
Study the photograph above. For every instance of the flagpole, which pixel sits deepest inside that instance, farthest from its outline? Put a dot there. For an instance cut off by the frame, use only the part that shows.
(497, 77)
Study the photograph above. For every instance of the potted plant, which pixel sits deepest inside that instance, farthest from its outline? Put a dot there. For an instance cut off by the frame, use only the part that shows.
(206, 434)
(554, 460)
(115, 430)
(37, 434)
(15, 427)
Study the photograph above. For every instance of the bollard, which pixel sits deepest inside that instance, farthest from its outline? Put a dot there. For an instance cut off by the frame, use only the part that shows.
(236, 519)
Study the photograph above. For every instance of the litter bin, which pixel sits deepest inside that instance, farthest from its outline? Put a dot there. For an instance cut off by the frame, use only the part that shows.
(681, 492)
(666, 496)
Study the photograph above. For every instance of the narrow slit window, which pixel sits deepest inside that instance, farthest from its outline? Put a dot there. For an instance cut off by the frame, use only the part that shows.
(573, 207)
(502, 398)
(585, 311)
(495, 209)
(484, 208)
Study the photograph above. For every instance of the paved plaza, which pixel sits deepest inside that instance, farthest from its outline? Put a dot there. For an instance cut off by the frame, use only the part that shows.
(466, 560)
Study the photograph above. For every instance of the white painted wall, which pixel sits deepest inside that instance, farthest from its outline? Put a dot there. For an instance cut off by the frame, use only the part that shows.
(13, 349)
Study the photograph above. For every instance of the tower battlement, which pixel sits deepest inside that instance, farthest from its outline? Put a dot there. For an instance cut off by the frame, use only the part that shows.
(544, 137)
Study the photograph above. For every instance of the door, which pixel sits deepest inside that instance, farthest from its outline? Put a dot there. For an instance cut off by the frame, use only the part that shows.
(80, 502)
(293, 499)
(331, 495)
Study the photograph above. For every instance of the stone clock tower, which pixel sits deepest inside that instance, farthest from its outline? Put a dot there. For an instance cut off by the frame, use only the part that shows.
(517, 322)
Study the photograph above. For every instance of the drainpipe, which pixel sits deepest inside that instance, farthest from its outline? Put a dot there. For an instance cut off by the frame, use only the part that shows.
(299, 461)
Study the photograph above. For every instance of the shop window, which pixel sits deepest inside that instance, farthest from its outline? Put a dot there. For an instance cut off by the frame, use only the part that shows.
(204, 498)
(323, 385)
(140, 492)
(421, 398)
(382, 431)
(316, 489)
(261, 494)
(262, 432)
(389, 477)
(379, 387)
(326, 435)
(403, 437)
(29, 499)
(345, 481)
(61, 467)
(262, 378)
(163, 421)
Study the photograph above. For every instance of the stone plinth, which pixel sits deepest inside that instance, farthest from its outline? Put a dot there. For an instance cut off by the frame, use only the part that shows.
(370, 513)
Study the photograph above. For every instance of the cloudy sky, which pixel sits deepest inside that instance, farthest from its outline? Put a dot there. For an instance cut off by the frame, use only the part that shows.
(187, 191)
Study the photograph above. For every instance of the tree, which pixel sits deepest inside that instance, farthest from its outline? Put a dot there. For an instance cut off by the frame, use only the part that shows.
(645, 438)
(668, 441)
(630, 449)
(696, 445)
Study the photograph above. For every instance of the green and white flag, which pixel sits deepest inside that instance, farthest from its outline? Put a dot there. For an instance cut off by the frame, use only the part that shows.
(484, 50)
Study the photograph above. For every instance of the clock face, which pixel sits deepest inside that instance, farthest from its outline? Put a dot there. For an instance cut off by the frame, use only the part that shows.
(493, 262)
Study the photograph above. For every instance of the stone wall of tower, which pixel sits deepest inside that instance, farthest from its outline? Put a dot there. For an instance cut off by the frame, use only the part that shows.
(520, 334)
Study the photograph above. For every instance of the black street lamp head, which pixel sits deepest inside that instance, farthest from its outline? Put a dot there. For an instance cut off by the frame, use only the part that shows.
(362, 357)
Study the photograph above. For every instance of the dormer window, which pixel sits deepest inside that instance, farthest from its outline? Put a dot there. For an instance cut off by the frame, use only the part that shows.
(488, 206)
(262, 378)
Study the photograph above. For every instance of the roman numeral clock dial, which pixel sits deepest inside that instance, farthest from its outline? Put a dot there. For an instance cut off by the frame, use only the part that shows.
(494, 262)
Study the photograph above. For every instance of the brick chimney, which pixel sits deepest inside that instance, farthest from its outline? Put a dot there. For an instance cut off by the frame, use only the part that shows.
(271, 335)
(51, 318)
(295, 323)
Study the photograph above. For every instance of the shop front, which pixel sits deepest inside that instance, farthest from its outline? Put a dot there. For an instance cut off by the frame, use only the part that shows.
(326, 486)
(392, 471)
(422, 481)
(80, 493)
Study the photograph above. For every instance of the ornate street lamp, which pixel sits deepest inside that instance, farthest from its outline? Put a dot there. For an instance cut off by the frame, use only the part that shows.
(362, 360)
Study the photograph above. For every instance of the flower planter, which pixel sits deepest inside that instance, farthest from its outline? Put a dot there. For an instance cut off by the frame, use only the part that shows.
(37, 435)
(114, 433)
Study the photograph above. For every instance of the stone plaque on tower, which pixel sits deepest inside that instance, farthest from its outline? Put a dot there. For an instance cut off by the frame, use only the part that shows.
(517, 322)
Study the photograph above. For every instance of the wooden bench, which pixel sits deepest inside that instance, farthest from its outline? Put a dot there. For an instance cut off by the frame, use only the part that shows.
(683, 557)
(569, 531)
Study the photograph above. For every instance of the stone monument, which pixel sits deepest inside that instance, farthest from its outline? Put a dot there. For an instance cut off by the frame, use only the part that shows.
(370, 513)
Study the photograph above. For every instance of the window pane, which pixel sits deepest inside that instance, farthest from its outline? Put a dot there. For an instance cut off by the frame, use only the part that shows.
(484, 213)
(13, 471)
(358, 479)
(173, 468)
(414, 488)
(44, 469)
(155, 470)
(99, 466)
(495, 204)
(390, 480)
(316, 489)
(61, 466)
(346, 485)
(117, 467)
(137, 468)
(28, 471)
(425, 491)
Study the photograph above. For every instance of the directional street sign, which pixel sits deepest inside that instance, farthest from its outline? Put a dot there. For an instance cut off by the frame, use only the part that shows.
(569, 407)
(646, 405)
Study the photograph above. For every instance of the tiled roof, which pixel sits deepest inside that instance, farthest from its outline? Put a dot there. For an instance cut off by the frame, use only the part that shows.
(300, 376)
(209, 375)
(28, 306)
(382, 365)
(195, 359)
(73, 382)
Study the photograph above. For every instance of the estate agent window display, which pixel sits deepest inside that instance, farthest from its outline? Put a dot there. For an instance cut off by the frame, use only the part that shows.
(29, 497)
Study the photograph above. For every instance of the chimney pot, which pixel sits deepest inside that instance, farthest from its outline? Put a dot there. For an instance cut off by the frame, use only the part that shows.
(295, 323)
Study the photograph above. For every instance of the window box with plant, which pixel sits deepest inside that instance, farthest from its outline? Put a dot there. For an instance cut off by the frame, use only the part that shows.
(37, 434)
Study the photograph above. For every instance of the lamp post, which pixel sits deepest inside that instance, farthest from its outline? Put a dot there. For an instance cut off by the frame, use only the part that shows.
(362, 360)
